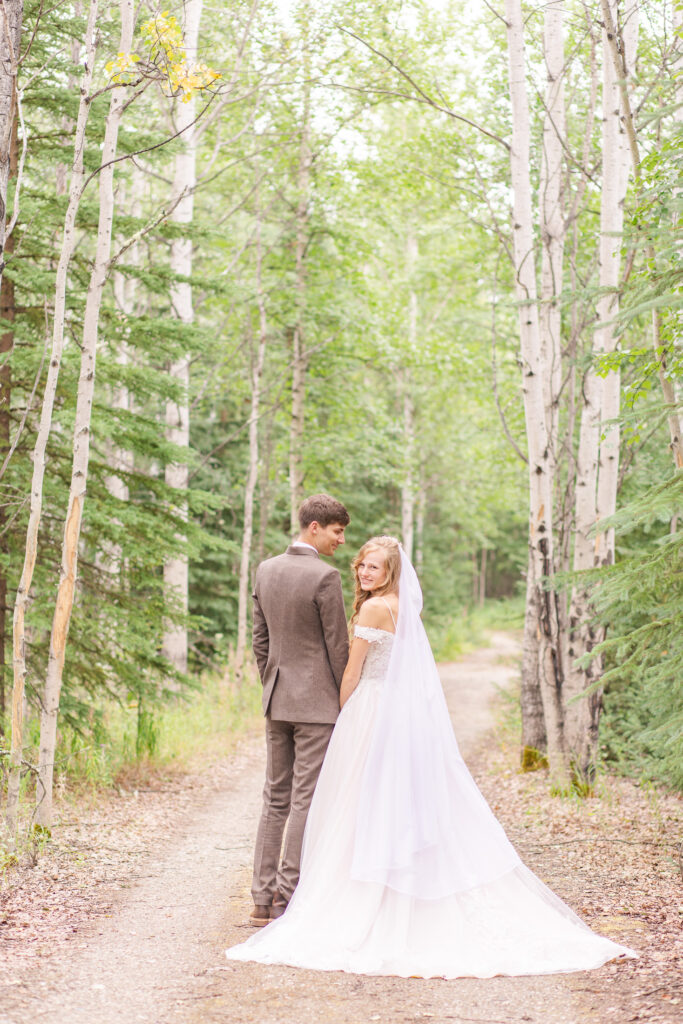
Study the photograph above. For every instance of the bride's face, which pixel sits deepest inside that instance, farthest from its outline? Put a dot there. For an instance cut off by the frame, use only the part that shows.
(372, 571)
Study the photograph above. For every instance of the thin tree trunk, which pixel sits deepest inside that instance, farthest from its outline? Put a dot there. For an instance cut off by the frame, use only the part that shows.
(81, 448)
(11, 17)
(420, 528)
(36, 501)
(299, 345)
(597, 470)
(252, 475)
(408, 483)
(265, 489)
(62, 170)
(553, 231)
(482, 578)
(125, 290)
(617, 48)
(541, 539)
(534, 738)
(552, 219)
(7, 312)
(176, 569)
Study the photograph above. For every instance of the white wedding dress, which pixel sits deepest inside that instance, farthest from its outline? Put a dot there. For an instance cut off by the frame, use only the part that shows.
(499, 918)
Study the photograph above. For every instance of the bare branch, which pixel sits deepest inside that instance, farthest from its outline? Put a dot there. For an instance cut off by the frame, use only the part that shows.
(425, 96)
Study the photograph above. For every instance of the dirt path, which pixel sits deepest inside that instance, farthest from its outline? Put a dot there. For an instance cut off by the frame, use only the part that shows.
(154, 952)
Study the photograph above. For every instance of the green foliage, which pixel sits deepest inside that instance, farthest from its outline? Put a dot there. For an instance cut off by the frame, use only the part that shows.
(388, 174)
(640, 599)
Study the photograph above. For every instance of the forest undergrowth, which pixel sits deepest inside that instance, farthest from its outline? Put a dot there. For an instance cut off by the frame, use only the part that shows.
(615, 857)
(128, 749)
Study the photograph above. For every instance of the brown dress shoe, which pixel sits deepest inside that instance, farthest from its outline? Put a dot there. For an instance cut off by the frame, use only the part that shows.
(260, 915)
(279, 906)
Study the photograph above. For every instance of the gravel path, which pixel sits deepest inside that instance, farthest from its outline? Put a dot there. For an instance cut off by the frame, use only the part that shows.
(158, 955)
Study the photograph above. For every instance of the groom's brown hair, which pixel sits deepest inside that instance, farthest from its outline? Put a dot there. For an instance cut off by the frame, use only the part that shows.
(323, 509)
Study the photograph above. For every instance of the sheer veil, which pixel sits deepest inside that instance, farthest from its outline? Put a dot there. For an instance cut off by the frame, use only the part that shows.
(423, 828)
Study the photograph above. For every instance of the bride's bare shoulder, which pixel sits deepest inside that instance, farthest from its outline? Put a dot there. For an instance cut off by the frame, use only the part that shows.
(374, 612)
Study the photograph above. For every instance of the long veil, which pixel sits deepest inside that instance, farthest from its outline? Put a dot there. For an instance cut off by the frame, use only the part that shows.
(423, 828)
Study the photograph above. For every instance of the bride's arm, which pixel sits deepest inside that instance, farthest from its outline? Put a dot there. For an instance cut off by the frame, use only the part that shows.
(371, 614)
(359, 648)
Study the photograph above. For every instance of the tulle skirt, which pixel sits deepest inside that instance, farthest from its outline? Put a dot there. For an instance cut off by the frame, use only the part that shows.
(512, 925)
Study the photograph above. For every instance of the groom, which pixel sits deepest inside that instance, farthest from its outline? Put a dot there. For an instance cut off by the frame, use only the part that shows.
(301, 647)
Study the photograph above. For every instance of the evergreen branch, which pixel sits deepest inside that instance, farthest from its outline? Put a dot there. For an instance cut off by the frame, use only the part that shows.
(29, 405)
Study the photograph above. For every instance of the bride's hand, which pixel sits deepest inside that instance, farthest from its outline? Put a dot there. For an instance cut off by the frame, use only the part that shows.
(354, 667)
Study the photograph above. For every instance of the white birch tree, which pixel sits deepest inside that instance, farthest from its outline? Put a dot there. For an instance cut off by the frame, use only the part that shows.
(257, 364)
(597, 469)
(617, 48)
(176, 569)
(534, 372)
(40, 448)
(81, 448)
(300, 354)
(408, 482)
(553, 230)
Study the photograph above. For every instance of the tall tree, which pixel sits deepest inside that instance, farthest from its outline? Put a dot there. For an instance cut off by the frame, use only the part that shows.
(408, 483)
(534, 373)
(176, 576)
(300, 354)
(11, 17)
(36, 502)
(616, 45)
(597, 471)
(81, 442)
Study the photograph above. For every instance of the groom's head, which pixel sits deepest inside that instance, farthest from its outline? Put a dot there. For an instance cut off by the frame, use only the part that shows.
(322, 520)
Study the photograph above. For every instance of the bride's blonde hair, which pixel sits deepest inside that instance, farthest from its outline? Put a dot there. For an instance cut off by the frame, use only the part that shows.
(392, 551)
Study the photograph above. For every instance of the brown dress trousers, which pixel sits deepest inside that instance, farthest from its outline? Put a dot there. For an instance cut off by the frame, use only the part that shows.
(301, 647)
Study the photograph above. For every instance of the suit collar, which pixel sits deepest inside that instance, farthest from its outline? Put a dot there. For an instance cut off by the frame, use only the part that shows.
(291, 550)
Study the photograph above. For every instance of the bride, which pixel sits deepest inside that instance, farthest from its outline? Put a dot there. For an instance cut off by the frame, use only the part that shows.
(405, 870)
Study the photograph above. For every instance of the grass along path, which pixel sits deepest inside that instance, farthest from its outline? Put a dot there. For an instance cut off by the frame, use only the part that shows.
(126, 915)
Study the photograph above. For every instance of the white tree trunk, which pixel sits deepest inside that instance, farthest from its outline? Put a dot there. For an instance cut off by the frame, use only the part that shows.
(176, 569)
(299, 345)
(36, 500)
(552, 219)
(408, 483)
(81, 448)
(109, 557)
(617, 47)
(553, 231)
(258, 360)
(597, 468)
(420, 528)
(541, 540)
(125, 294)
(611, 228)
(534, 736)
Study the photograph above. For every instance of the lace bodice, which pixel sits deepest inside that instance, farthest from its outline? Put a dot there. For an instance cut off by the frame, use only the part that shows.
(376, 661)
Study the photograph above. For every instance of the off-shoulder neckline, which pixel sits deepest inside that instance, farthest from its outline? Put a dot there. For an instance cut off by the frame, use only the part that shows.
(376, 629)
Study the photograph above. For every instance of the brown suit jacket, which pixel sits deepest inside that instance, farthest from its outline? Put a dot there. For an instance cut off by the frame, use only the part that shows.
(301, 639)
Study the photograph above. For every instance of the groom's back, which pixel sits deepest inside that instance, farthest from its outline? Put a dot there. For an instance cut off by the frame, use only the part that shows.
(300, 636)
